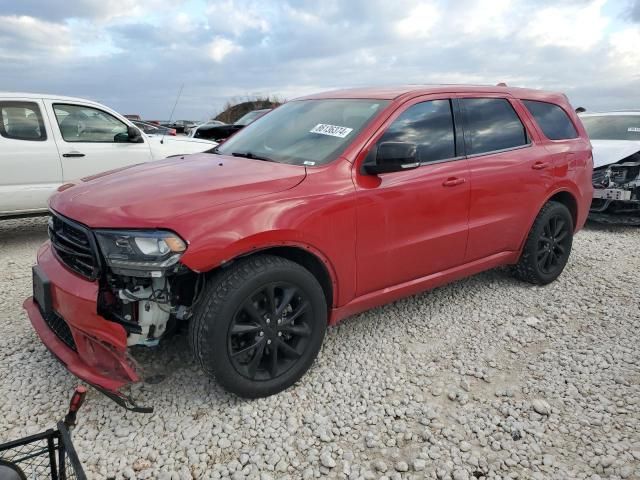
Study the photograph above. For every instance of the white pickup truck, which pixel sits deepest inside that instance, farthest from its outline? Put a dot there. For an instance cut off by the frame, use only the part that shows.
(48, 140)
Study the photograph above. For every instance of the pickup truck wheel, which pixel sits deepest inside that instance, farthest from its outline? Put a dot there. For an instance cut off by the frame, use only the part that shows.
(260, 325)
(548, 245)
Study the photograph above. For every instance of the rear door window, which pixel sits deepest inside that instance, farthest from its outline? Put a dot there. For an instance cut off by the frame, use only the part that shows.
(22, 121)
(491, 124)
(553, 120)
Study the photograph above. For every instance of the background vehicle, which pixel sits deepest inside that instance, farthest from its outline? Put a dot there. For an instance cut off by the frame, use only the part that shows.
(330, 205)
(153, 129)
(47, 140)
(133, 117)
(181, 125)
(615, 137)
(211, 123)
(220, 132)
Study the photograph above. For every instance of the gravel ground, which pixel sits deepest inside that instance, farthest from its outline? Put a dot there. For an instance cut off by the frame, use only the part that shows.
(484, 378)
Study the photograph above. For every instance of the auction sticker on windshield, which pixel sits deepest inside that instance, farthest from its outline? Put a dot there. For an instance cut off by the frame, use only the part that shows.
(633, 129)
(331, 130)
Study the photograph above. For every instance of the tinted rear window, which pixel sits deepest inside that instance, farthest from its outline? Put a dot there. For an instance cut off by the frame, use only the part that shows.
(553, 120)
(491, 124)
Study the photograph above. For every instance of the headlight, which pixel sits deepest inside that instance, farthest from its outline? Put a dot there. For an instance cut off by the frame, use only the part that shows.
(148, 251)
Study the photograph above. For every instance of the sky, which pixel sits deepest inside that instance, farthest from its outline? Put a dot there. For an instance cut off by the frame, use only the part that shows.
(135, 55)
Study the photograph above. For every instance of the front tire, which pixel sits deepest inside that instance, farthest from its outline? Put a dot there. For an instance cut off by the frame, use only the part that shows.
(548, 245)
(260, 326)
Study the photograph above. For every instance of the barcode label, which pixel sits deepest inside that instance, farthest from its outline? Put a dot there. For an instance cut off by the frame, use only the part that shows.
(331, 130)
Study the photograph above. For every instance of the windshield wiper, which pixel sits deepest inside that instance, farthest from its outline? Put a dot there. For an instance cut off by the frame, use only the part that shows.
(252, 156)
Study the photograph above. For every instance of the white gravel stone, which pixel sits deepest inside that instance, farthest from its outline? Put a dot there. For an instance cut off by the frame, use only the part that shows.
(402, 466)
(540, 406)
(377, 397)
(327, 460)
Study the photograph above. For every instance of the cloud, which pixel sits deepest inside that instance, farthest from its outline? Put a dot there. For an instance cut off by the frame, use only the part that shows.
(236, 17)
(220, 47)
(624, 52)
(134, 55)
(419, 21)
(23, 37)
(569, 26)
(102, 10)
(634, 11)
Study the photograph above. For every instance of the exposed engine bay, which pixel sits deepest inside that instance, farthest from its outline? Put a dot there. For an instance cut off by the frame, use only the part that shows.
(150, 308)
(617, 191)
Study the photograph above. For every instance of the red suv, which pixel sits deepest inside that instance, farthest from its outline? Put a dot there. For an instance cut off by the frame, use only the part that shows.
(327, 206)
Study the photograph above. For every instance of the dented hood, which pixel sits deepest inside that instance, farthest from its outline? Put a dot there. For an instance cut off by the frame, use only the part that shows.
(147, 195)
(606, 152)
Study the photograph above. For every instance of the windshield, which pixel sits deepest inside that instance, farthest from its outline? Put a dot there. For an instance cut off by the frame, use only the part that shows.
(612, 127)
(249, 117)
(304, 132)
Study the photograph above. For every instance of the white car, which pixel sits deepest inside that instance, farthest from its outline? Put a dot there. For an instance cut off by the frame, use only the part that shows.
(48, 140)
(615, 137)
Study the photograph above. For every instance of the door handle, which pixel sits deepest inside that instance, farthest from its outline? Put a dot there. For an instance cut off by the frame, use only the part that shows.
(539, 165)
(72, 154)
(453, 181)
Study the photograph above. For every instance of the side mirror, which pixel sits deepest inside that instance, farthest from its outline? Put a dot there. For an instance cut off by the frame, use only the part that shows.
(134, 135)
(394, 157)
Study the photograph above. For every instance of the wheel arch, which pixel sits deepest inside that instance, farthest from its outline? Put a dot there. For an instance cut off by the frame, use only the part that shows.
(564, 197)
(568, 200)
(306, 256)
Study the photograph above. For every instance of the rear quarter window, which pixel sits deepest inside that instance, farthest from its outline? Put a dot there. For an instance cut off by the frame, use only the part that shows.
(552, 119)
(22, 121)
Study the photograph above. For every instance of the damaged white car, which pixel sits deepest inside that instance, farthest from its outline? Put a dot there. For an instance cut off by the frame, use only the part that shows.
(615, 137)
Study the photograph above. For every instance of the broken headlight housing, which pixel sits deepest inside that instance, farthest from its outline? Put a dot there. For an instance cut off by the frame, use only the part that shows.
(146, 253)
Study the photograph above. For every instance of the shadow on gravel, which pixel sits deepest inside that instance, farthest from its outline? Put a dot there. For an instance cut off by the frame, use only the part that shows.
(16, 231)
(610, 227)
(159, 363)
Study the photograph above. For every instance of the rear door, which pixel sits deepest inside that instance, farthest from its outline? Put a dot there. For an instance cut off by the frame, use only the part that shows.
(510, 173)
(413, 223)
(86, 137)
(30, 167)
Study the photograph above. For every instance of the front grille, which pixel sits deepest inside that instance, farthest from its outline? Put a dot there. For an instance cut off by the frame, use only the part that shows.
(61, 329)
(75, 246)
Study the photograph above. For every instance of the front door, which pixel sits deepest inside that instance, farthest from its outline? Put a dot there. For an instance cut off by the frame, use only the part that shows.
(413, 223)
(87, 138)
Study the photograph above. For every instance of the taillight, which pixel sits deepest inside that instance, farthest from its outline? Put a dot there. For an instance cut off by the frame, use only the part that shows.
(172, 132)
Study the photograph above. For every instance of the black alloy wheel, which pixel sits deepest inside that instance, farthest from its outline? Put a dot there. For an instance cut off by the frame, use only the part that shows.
(259, 326)
(548, 245)
(270, 331)
(553, 244)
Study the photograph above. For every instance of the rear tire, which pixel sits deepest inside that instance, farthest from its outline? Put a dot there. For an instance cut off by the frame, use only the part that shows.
(548, 245)
(260, 326)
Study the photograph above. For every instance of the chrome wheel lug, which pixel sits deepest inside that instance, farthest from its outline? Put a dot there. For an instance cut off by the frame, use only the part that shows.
(268, 342)
(261, 333)
(279, 334)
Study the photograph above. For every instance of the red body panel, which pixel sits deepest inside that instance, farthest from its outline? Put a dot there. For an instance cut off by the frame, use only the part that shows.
(380, 237)
(101, 358)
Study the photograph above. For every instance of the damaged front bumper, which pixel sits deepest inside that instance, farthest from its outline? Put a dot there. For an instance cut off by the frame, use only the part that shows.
(63, 311)
(616, 196)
